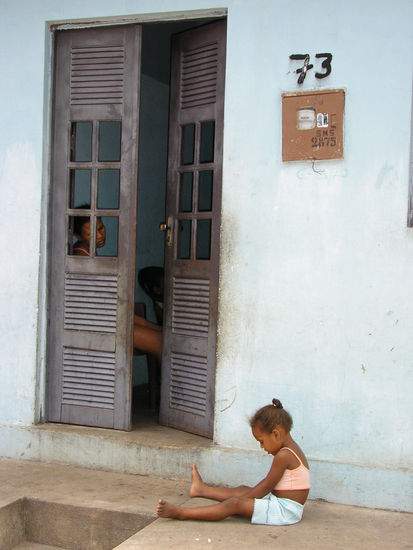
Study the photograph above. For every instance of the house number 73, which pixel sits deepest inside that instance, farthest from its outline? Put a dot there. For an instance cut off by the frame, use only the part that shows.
(302, 71)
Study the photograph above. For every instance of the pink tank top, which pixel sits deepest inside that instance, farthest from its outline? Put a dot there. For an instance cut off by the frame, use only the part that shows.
(299, 478)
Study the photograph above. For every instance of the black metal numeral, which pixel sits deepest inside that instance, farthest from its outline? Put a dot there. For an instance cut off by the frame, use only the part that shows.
(306, 67)
(302, 71)
(326, 64)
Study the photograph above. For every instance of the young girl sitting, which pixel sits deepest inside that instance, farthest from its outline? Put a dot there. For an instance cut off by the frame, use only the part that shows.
(277, 500)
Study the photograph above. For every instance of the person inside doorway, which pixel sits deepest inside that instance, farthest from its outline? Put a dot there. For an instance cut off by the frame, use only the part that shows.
(147, 336)
(81, 230)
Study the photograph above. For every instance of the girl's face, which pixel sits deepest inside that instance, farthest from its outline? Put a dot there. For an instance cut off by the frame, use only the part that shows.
(100, 233)
(269, 441)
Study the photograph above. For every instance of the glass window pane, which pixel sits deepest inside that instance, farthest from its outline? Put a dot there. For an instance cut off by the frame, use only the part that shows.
(185, 192)
(184, 239)
(81, 143)
(108, 189)
(107, 236)
(188, 143)
(80, 181)
(206, 153)
(205, 191)
(203, 240)
(109, 141)
(79, 235)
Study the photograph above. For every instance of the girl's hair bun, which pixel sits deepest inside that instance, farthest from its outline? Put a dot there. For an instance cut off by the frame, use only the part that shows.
(272, 416)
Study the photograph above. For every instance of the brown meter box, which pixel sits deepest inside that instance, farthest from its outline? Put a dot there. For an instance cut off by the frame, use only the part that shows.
(312, 125)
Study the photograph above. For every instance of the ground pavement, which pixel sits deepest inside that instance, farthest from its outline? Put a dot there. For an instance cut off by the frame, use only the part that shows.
(93, 498)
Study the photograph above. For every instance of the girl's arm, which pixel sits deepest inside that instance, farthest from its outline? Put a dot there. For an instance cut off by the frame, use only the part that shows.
(265, 486)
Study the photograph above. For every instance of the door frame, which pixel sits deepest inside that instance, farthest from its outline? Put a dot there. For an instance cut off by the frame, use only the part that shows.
(47, 184)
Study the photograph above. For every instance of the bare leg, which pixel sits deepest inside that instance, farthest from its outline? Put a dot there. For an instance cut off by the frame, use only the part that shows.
(148, 340)
(144, 323)
(201, 489)
(233, 506)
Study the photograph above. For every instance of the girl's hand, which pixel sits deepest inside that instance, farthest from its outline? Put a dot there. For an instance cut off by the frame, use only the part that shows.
(279, 464)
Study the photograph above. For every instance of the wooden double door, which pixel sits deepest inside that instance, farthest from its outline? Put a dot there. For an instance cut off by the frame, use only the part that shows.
(94, 179)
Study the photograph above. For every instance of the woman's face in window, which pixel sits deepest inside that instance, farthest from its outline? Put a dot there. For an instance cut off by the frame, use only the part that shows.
(100, 233)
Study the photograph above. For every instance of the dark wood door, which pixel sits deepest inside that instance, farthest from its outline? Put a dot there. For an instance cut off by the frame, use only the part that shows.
(192, 242)
(94, 178)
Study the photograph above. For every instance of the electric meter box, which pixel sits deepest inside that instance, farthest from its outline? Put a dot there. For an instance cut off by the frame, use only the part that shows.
(312, 125)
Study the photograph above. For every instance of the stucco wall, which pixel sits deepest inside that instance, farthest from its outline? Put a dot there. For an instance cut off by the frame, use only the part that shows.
(316, 276)
(316, 272)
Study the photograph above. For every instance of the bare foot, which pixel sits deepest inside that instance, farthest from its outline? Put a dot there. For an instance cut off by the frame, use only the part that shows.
(166, 510)
(197, 484)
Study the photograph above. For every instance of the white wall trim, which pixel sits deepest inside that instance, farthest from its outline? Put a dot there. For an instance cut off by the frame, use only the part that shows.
(40, 395)
(159, 17)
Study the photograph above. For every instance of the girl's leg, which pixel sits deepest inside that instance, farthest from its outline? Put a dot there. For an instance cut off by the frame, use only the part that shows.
(201, 489)
(148, 340)
(233, 506)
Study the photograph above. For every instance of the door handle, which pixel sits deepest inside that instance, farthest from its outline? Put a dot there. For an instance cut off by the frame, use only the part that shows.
(168, 228)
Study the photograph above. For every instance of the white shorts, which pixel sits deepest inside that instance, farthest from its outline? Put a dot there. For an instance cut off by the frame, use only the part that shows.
(272, 510)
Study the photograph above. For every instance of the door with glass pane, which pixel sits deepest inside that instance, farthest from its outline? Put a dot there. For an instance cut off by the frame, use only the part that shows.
(92, 229)
(192, 227)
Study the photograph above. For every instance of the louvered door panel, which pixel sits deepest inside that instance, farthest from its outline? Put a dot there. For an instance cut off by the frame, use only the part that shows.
(91, 302)
(191, 262)
(199, 76)
(88, 378)
(190, 306)
(91, 296)
(96, 75)
(188, 383)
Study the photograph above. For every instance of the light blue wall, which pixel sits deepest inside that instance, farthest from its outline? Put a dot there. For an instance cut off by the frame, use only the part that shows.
(316, 265)
(315, 287)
